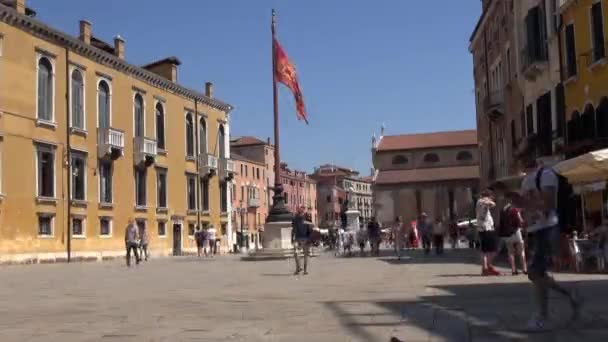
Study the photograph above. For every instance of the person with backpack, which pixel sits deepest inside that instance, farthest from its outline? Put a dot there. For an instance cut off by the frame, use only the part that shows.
(547, 194)
(510, 231)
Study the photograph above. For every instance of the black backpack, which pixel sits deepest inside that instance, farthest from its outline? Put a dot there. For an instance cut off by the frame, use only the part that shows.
(564, 198)
(506, 225)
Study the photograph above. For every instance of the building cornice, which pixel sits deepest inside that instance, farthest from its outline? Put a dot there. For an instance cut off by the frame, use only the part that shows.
(480, 24)
(38, 29)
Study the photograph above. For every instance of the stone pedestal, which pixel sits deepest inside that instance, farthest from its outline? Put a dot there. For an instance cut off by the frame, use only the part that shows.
(276, 243)
(352, 220)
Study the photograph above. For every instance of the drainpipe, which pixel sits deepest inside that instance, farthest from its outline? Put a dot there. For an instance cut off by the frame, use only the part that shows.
(198, 176)
(491, 140)
(68, 151)
(561, 76)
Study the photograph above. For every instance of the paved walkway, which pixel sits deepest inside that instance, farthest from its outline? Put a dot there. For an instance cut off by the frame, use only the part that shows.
(225, 299)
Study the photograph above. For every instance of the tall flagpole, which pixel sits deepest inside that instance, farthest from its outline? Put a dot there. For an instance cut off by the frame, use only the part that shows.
(278, 212)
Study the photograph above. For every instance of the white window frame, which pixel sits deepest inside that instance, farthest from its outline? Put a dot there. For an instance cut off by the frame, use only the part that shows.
(165, 171)
(163, 236)
(99, 163)
(52, 217)
(84, 226)
(83, 130)
(110, 225)
(40, 147)
(203, 119)
(109, 83)
(188, 177)
(592, 34)
(52, 61)
(135, 178)
(143, 105)
(162, 104)
(84, 157)
(192, 116)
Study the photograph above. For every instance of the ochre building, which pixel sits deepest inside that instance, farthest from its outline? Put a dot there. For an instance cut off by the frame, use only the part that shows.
(89, 141)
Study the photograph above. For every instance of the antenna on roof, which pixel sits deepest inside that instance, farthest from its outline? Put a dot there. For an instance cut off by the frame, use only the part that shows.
(382, 129)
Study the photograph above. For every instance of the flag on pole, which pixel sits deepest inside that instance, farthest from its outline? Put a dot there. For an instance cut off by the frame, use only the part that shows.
(285, 73)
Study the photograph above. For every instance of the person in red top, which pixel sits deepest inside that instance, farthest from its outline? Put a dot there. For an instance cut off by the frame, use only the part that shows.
(510, 230)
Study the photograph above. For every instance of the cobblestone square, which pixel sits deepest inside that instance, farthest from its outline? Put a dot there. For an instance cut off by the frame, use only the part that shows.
(343, 299)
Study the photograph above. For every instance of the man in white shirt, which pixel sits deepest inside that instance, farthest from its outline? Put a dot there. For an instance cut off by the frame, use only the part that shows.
(540, 190)
(487, 235)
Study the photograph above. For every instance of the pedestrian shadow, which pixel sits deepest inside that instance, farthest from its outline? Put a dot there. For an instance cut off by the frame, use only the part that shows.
(459, 275)
(277, 275)
(449, 256)
(465, 312)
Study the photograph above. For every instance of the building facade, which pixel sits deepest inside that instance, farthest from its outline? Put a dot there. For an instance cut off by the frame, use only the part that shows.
(333, 182)
(498, 90)
(90, 141)
(585, 75)
(249, 200)
(299, 190)
(259, 151)
(436, 173)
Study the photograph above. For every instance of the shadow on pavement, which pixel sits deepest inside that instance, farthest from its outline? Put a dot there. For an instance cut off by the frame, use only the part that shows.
(417, 256)
(486, 311)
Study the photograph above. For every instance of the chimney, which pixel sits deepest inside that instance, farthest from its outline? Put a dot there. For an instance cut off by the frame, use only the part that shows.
(119, 47)
(20, 6)
(85, 31)
(209, 89)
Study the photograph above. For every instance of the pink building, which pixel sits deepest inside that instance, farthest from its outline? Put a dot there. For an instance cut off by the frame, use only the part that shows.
(249, 199)
(299, 190)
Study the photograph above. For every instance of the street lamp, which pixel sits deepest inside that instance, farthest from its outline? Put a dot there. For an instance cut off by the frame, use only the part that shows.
(242, 211)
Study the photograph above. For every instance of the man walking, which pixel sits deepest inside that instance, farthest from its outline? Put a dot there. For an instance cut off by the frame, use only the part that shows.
(425, 229)
(399, 236)
(510, 231)
(438, 236)
(373, 233)
(300, 238)
(144, 242)
(131, 243)
(541, 191)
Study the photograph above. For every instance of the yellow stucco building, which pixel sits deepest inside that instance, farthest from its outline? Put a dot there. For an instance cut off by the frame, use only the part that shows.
(88, 141)
(585, 72)
(585, 76)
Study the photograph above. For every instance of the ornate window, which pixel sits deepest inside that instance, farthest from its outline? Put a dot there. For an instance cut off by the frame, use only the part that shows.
(400, 160)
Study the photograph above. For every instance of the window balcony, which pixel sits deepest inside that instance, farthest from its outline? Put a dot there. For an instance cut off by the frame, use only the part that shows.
(253, 203)
(144, 150)
(207, 164)
(110, 142)
(494, 104)
(534, 60)
(226, 168)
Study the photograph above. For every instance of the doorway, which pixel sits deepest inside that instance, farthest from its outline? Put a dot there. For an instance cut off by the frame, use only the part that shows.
(177, 239)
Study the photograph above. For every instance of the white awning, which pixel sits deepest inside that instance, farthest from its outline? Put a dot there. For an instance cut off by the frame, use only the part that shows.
(588, 168)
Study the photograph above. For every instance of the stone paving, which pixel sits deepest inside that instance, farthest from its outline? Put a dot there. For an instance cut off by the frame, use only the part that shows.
(343, 299)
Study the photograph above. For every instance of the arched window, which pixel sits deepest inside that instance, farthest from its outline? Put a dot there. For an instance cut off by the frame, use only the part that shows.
(45, 89)
(222, 141)
(573, 127)
(464, 156)
(189, 136)
(601, 118)
(202, 135)
(138, 110)
(77, 100)
(103, 105)
(588, 118)
(431, 158)
(160, 126)
(400, 160)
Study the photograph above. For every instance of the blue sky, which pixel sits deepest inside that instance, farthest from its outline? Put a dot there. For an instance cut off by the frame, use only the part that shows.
(360, 63)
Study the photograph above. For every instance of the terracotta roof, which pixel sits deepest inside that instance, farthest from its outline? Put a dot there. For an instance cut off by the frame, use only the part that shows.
(427, 175)
(246, 141)
(427, 140)
(237, 156)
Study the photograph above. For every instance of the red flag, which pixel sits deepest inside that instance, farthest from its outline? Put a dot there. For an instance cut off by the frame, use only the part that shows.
(285, 73)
